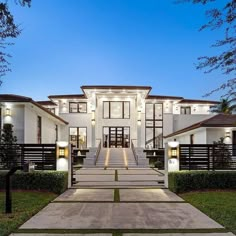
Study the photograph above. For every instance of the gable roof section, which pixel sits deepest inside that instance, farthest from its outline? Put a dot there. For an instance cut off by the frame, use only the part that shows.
(14, 98)
(46, 103)
(78, 96)
(220, 120)
(17, 98)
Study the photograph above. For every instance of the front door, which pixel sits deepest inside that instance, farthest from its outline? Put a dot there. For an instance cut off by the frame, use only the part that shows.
(116, 137)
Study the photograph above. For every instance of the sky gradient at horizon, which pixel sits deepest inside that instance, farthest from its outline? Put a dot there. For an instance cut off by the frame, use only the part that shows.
(120, 42)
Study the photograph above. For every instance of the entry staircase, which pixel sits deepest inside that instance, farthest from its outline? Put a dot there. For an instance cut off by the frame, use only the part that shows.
(116, 158)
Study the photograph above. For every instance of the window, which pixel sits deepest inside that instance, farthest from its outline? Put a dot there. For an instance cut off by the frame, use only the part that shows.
(185, 110)
(78, 137)
(51, 110)
(192, 139)
(39, 129)
(116, 110)
(78, 107)
(56, 130)
(154, 125)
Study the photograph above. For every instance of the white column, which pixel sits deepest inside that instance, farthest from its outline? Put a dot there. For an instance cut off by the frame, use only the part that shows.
(171, 159)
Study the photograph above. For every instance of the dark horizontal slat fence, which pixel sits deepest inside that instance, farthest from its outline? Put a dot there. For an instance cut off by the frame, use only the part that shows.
(43, 156)
(207, 157)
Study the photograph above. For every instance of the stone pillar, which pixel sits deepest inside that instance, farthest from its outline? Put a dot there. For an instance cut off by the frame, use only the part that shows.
(171, 159)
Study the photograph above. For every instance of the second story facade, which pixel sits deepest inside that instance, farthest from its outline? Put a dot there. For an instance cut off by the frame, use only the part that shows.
(121, 115)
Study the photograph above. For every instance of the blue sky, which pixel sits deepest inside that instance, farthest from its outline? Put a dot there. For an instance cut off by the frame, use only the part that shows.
(67, 44)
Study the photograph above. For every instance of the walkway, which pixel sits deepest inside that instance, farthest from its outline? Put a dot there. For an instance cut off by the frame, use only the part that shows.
(109, 206)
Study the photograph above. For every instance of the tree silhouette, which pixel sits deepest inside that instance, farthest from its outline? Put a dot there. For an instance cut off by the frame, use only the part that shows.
(221, 18)
(226, 106)
(8, 29)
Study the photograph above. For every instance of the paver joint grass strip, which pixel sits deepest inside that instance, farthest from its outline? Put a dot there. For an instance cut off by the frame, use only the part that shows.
(119, 231)
(116, 175)
(116, 195)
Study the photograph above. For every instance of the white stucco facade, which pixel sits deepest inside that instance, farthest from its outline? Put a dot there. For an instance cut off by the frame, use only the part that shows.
(115, 115)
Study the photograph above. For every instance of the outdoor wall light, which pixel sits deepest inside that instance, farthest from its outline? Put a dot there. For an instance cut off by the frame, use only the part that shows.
(173, 152)
(227, 134)
(173, 149)
(93, 117)
(61, 152)
(8, 112)
(139, 117)
(93, 121)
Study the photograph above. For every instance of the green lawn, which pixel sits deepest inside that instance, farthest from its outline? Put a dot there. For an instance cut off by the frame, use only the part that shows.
(25, 204)
(219, 205)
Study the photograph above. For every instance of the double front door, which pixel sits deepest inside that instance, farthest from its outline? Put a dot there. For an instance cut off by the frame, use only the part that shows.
(116, 137)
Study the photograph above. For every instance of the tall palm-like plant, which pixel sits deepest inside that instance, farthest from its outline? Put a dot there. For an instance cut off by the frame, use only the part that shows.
(226, 105)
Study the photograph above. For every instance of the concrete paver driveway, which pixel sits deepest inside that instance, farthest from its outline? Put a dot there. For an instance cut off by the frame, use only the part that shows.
(134, 207)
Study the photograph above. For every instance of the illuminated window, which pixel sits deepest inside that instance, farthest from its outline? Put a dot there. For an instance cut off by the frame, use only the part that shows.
(116, 110)
(78, 107)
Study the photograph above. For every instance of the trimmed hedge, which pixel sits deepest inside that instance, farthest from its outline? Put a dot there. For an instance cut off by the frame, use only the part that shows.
(184, 181)
(52, 181)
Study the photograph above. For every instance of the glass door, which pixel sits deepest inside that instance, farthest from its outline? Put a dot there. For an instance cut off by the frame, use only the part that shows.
(116, 137)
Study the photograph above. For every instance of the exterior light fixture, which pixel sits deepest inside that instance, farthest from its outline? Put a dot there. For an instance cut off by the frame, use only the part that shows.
(139, 117)
(227, 134)
(93, 121)
(173, 152)
(61, 152)
(93, 117)
(8, 112)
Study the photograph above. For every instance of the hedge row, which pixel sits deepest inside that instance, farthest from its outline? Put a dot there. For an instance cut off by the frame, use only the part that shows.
(184, 181)
(52, 181)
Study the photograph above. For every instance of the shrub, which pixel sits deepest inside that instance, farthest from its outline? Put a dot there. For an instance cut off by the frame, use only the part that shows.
(52, 181)
(184, 181)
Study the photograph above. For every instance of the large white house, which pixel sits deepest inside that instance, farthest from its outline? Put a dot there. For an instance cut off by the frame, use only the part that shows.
(115, 115)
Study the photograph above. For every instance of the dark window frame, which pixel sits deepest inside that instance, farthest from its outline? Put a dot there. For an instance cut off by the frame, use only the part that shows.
(39, 129)
(124, 141)
(153, 126)
(77, 110)
(78, 136)
(184, 109)
(109, 107)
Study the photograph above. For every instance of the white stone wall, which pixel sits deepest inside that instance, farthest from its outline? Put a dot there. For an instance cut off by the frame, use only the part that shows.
(48, 134)
(183, 121)
(200, 137)
(16, 119)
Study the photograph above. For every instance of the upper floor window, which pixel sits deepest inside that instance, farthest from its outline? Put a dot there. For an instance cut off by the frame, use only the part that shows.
(116, 110)
(185, 110)
(51, 109)
(78, 107)
(39, 129)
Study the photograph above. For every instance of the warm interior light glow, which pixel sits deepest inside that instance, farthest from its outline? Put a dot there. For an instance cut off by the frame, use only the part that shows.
(125, 158)
(61, 152)
(107, 158)
(173, 152)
